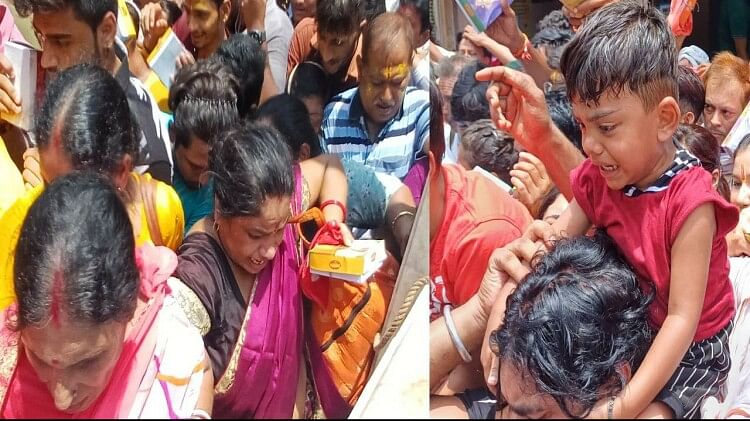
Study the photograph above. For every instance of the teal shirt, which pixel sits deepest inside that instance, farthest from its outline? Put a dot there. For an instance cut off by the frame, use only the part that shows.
(733, 23)
(196, 203)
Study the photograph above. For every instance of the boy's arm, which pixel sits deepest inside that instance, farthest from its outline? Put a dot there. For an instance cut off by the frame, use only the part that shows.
(691, 255)
(572, 223)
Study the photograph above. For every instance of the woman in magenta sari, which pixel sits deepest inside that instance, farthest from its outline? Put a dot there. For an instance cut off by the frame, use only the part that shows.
(97, 330)
(243, 263)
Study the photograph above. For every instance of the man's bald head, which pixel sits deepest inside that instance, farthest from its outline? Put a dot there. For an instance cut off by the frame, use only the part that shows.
(390, 30)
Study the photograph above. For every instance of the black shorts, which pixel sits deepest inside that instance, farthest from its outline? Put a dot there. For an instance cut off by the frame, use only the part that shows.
(481, 404)
(701, 373)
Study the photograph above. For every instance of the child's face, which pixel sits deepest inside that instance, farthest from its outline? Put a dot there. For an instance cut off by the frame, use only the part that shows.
(622, 139)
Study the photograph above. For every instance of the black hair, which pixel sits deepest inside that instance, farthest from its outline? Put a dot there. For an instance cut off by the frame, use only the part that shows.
(373, 9)
(244, 57)
(76, 255)
(554, 41)
(289, 116)
(423, 8)
(90, 11)
(609, 53)
(554, 19)
(486, 146)
(437, 134)
(692, 92)
(250, 163)
(574, 320)
(339, 16)
(309, 79)
(172, 10)
(469, 97)
(87, 110)
(561, 111)
(203, 99)
(702, 144)
(547, 201)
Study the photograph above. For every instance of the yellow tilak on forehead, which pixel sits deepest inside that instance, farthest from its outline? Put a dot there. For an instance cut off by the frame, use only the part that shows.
(400, 70)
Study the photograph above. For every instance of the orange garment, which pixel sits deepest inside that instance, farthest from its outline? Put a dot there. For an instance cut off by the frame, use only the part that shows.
(479, 217)
(681, 17)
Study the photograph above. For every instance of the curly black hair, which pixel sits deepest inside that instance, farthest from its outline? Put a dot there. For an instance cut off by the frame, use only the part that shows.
(576, 318)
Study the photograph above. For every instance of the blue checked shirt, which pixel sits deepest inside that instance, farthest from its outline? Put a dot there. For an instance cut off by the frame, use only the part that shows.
(399, 144)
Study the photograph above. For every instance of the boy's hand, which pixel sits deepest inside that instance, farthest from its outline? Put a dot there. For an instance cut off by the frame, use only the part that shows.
(531, 182)
(542, 233)
(518, 106)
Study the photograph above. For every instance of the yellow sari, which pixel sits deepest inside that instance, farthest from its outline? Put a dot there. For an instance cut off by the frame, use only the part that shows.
(170, 216)
(12, 181)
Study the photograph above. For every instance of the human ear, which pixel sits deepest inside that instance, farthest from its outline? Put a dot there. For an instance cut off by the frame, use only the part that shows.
(668, 117)
(106, 31)
(122, 173)
(688, 118)
(225, 10)
(304, 152)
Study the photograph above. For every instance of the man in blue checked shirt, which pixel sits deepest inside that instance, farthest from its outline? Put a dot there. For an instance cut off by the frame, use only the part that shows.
(382, 123)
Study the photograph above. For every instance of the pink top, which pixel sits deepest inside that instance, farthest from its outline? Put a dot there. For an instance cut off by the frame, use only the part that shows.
(8, 29)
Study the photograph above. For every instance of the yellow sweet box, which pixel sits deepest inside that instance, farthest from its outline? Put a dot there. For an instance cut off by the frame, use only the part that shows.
(357, 259)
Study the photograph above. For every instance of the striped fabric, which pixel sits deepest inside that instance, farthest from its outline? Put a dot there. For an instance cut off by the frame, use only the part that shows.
(398, 145)
(683, 160)
(701, 374)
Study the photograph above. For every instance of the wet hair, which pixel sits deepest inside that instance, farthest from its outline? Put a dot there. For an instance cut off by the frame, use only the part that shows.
(309, 79)
(203, 100)
(250, 163)
(90, 11)
(702, 144)
(423, 8)
(727, 66)
(437, 134)
(76, 255)
(608, 53)
(469, 97)
(339, 16)
(561, 111)
(387, 29)
(486, 146)
(244, 57)
(289, 116)
(87, 111)
(692, 92)
(574, 320)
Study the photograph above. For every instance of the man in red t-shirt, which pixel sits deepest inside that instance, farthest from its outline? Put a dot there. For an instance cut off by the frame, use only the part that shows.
(470, 216)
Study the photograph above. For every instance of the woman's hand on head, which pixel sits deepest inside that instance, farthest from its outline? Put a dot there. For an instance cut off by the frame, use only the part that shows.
(508, 266)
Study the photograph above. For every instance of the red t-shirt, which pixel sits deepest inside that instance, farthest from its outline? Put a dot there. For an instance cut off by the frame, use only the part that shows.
(479, 217)
(645, 226)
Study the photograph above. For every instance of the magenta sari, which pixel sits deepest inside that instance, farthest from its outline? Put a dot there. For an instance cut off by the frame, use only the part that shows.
(265, 381)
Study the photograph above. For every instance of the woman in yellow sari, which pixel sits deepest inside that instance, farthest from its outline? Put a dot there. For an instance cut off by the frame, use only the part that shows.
(85, 124)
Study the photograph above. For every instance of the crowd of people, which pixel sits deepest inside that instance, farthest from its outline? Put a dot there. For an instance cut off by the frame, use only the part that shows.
(154, 263)
(588, 198)
(588, 234)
